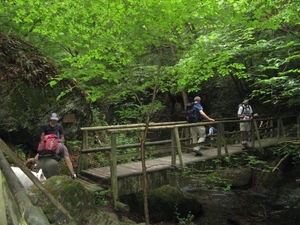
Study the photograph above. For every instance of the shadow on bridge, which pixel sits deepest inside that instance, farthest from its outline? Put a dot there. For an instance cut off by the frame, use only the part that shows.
(170, 149)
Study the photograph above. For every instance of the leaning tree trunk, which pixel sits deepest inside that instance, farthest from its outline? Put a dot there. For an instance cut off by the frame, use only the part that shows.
(185, 97)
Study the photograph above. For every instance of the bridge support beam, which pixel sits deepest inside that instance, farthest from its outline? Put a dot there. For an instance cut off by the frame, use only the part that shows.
(178, 144)
(113, 169)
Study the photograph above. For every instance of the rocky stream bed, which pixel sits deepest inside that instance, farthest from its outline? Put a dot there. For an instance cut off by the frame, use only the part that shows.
(255, 197)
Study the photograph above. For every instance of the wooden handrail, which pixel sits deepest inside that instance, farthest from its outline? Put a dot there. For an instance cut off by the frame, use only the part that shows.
(140, 127)
(30, 213)
(108, 148)
(129, 126)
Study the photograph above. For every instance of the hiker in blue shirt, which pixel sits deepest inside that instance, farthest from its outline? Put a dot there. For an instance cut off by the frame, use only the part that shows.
(211, 132)
(198, 132)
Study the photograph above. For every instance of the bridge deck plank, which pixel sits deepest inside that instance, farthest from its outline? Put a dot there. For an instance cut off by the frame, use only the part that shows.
(134, 168)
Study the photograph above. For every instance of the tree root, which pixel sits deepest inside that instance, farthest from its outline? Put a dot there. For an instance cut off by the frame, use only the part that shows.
(281, 160)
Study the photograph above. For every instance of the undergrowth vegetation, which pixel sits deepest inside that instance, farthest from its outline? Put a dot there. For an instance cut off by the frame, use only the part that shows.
(206, 178)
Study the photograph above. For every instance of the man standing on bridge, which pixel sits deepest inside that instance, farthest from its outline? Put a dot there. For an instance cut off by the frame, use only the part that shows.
(199, 130)
(245, 113)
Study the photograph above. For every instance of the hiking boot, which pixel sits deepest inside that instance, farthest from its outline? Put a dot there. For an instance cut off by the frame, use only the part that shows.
(245, 146)
(197, 153)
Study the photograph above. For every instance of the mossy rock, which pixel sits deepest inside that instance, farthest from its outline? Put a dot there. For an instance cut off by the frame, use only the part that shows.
(70, 193)
(237, 178)
(166, 203)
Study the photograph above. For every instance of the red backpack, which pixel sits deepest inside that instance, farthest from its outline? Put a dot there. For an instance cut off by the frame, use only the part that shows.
(49, 143)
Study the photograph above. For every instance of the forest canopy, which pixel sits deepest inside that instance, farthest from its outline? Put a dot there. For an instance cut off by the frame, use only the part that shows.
(120, 50)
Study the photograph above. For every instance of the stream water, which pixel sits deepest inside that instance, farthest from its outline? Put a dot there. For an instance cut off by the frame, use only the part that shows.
(255, 206)
(272, 197)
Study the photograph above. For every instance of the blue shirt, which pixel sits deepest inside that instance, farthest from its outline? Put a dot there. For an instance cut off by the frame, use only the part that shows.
(211, 131)
(198, 108)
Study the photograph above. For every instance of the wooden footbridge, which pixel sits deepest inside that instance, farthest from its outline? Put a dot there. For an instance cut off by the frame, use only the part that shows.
(169, 148)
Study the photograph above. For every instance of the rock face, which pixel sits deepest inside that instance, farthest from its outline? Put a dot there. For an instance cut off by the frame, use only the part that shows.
(26, 98)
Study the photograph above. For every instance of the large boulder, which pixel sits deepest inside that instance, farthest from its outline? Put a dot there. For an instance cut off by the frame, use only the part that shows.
(166, 203)
(76, 199)
(27, 99)
(237, 178)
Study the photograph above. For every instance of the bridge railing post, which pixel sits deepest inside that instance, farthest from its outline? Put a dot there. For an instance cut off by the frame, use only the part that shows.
(113, 169)
(272, 127)
(187, 134)
(220, 133)
(282, 128)
(178, 144)
(278, 129)
(252, 132)
(173, 148)
(298, 126)
(82, 163)
(256, 131)
(222, 138)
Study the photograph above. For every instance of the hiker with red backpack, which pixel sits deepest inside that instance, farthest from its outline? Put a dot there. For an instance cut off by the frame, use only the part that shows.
(51, 150)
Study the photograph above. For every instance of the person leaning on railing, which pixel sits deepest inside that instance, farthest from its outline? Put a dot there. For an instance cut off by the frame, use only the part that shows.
(199, 131)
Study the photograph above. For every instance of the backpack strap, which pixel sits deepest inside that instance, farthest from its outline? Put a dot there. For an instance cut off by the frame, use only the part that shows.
(49, 154)
(46, 153)
(243, 108)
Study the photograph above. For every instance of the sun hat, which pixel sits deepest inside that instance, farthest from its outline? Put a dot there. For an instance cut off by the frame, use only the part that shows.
(245, 101)
(53, 116)
(197, 98)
